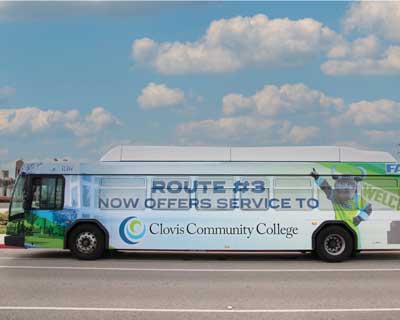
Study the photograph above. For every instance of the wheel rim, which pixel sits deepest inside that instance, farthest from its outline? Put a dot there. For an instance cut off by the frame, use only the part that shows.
(334, 244)
(86, 242)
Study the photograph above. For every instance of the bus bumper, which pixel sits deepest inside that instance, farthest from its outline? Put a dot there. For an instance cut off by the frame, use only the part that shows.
(14, 241)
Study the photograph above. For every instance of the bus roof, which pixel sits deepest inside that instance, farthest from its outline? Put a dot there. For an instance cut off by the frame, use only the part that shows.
(124, 153)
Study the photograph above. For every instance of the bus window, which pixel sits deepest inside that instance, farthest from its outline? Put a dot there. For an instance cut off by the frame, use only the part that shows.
(293, 182)
(349, 194)
(382, 193)
(48, 193)
(17, 202)
(121, 199)
(123, 193)
(254, 198)
(169, 193)
(293, 199)
(380, 182)
(121, 182)
(341, 192)
(293, 192)
(217, 195)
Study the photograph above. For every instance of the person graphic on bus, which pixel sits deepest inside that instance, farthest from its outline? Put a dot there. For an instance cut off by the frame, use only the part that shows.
(348, 205)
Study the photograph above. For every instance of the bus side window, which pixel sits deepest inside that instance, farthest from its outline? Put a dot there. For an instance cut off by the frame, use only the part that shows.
(119, 192)
(253, 197)
(216, 194)
(295, 190)
(344, 192)
(382, 193)
(169, 193)
(47, 193)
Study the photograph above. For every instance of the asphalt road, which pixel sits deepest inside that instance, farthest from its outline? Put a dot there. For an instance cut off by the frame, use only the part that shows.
(43, 284)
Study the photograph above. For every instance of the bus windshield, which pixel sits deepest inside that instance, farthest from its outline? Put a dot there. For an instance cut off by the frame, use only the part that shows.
(17, 201)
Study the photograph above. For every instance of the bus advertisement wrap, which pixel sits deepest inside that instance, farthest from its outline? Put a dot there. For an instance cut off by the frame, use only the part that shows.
(229, 211)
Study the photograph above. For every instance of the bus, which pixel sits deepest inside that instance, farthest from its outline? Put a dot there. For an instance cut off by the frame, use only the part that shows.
(334, 201)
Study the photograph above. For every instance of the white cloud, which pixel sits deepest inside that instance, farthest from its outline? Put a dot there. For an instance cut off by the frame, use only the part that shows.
(294, 114)
(232, 129)
(388, 63)
(32, 119)
(264, 118)
(96, 120)
(382, 136)
(353, 143)
(6, 93)
(380, 17)
(228, 126)
(289, 98)
(367, 113)
(359, 48)
(299, 134)
(159, 95)
(231, 44)
(235, 103)
(245, 130)
(367, 56)
(144, 49)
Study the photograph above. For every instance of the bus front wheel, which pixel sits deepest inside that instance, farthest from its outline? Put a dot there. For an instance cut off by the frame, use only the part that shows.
(334, 244)
(87, 242)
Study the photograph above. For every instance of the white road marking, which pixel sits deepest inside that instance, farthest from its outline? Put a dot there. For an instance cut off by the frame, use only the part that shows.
(200, 270)
(338, 310)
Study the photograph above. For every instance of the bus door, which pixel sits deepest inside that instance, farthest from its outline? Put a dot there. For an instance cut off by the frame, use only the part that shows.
(43, 222)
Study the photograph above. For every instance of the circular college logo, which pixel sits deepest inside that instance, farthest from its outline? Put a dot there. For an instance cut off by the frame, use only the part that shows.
(131, 230)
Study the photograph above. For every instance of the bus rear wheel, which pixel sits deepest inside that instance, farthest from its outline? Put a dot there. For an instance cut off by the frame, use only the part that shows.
(334, 244)
(87, 242)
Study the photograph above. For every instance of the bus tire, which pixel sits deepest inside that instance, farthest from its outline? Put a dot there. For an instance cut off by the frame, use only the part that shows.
(334, 244)
(87, 242)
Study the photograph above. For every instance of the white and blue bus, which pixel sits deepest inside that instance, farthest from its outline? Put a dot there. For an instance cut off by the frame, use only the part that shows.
(335, 201)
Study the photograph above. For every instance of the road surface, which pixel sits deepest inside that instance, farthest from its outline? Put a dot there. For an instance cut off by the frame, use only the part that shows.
(50, 284)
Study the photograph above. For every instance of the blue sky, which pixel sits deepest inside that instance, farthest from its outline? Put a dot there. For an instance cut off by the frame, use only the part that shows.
(78, 78)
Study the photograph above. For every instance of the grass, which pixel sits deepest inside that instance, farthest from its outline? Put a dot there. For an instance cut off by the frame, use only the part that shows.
(2, 229)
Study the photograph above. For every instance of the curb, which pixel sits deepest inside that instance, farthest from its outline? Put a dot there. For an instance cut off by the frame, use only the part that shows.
(3, 246)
